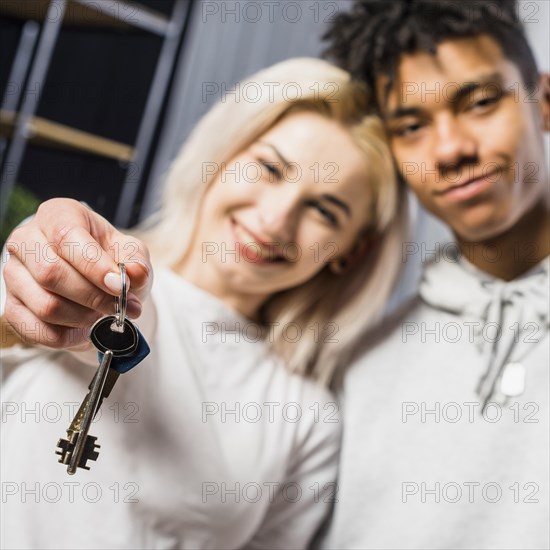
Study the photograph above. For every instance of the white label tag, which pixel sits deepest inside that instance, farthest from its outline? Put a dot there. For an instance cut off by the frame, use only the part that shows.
(512, 382)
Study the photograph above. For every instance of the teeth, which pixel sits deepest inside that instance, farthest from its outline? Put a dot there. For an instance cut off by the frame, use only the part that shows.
(247, 239)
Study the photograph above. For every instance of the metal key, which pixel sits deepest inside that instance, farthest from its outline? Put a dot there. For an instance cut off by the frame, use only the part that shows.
(114, 336)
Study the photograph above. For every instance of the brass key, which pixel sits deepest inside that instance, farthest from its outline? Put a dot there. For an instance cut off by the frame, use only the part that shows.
(80, 447)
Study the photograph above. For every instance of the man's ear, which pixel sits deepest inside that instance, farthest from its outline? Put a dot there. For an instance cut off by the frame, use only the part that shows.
(544, 98)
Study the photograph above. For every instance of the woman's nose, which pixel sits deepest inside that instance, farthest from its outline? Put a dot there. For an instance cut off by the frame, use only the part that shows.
(278, 215)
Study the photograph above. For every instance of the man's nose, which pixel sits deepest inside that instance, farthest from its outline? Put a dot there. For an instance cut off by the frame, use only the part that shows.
(453, 142)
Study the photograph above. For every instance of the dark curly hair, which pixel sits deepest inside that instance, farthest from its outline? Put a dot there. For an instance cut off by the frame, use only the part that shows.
(369, 40)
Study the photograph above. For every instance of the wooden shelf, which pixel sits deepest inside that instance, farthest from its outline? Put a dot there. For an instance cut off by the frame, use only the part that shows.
(46, 132)
(113, 14)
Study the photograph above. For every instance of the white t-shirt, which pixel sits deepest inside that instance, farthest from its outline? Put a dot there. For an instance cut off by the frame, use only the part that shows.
(421, 466)
(208, 443)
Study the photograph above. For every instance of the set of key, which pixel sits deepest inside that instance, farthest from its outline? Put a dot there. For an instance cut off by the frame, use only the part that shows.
(120, 347)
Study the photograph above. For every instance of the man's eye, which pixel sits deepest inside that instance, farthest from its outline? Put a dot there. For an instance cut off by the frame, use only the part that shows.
(407, 129)
(485, 103)
(332, 218)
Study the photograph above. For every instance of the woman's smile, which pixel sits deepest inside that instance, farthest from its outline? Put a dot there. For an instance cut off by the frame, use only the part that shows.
(281, 226)
(252, 249)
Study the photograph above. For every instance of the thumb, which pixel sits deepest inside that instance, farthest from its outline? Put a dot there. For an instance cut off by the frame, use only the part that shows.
(133, 253)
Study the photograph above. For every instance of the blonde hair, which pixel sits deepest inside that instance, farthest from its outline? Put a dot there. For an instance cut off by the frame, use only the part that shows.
(331, 311)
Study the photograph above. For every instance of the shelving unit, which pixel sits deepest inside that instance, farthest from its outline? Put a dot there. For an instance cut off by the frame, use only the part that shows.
(19, 124)
(52, 134)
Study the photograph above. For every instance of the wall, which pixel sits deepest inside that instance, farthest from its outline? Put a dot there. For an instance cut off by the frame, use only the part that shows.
(232, 39)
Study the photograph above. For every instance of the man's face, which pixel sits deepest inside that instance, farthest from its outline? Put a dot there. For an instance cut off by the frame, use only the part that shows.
(467, 136)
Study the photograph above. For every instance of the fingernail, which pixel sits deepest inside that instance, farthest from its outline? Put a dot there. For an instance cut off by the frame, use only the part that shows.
(113, 283)
(143, 264)
(132, 297)
(133, 308)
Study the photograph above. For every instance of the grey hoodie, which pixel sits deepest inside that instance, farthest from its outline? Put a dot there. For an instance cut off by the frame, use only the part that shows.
(446, 419)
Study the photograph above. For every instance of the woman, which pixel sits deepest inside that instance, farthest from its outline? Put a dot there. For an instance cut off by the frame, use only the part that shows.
(275, 246)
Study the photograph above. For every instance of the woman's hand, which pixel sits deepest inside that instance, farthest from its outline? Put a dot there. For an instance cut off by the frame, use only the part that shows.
(62, 274)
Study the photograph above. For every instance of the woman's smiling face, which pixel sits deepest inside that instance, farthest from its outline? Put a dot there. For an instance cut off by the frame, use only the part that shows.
(277, 212)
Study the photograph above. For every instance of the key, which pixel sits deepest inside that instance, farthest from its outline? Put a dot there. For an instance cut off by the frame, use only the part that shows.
(115, 336)
(80, 447)
(67, 446)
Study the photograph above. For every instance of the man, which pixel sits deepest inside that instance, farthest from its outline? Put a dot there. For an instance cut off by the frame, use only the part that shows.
(446, 406)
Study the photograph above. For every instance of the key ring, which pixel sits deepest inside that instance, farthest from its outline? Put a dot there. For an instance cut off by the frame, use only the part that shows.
(120, 301)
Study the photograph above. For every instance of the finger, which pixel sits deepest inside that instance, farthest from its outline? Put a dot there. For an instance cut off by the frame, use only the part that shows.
(68, 225)
(32, 331)
(94, 247)
(48, 237)
(47, 306)
(50, 272)
(135, 256)
(78, 248)
(125, 248)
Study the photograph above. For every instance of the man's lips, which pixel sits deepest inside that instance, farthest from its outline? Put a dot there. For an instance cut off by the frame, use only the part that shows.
(476, 181)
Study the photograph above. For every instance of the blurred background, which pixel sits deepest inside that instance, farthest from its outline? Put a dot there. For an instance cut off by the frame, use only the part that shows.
(98, 95)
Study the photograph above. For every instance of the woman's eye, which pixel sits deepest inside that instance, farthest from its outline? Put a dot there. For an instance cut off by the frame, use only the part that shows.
(324, 212)
(272, 169)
